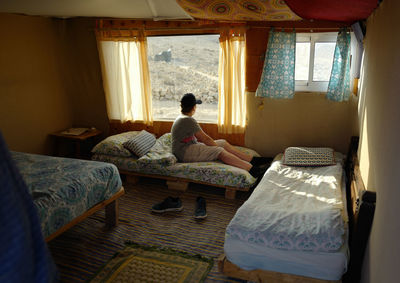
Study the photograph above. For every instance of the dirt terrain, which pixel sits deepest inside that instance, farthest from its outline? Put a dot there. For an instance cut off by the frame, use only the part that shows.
(192, 67)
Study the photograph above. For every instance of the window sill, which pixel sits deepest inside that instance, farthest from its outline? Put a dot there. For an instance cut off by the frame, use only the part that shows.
(199, 121)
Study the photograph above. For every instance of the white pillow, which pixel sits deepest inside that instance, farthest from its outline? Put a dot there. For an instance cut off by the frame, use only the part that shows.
(140, 144)
(309, 156)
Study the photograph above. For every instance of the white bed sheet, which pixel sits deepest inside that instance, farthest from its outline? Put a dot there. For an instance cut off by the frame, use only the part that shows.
(294, 208)
(322, 265)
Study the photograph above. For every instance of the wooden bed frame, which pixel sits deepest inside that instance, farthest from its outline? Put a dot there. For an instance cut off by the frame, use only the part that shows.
(228, 268)
(112, 212)
(179, 184)
(354, 190)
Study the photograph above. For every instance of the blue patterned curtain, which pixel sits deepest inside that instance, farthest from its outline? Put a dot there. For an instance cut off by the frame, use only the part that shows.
(339, 83)
(277, 79)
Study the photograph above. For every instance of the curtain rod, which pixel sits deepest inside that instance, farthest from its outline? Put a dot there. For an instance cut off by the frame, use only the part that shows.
(202, 28)
(215, 28)
(154, 29)
(296, 28)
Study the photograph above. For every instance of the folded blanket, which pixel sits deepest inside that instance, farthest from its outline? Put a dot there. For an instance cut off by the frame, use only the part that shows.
(159, 154)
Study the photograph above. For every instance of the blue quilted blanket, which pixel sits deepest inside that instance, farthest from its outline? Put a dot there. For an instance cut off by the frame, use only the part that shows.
(64, 188)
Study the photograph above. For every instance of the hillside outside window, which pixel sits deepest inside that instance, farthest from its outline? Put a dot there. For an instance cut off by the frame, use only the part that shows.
(181, 64)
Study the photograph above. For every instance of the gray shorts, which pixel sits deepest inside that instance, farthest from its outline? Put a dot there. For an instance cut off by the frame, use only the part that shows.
(200, 152)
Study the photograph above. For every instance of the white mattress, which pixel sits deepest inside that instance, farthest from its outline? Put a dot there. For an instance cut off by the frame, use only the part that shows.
(321, 265)
(324, 265)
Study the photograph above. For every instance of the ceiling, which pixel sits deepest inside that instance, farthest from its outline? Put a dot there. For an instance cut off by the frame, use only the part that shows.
(223, 10)
(239, 10)
(342, 11)
(132, 9)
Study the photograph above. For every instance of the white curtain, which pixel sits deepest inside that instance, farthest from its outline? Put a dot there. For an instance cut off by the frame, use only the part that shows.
(126, 80)
(231, 86)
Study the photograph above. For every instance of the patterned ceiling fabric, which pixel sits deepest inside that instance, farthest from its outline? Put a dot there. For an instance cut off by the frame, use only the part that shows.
(239, 10)
(338, 10)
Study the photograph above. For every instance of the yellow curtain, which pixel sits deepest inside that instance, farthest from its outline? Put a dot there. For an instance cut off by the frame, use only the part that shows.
(231, 85)
(126, 77)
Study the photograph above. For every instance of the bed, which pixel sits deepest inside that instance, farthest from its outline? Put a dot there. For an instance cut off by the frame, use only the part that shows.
(159, 162)
(293, 228)
(65, 191)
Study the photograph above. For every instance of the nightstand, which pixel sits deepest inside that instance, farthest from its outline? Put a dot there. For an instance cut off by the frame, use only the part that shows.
(81, 143)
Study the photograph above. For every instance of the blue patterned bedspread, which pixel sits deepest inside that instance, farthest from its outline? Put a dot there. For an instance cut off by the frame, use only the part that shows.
(64, 188)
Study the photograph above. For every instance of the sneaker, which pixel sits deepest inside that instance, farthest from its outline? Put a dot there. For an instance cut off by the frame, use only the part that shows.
(168, 204)
(258, 161)
(201, 211)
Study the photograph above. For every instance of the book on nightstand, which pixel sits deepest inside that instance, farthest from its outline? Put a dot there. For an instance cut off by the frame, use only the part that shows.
(74, 131)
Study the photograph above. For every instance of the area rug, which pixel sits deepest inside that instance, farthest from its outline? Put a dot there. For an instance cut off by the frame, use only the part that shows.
(139, 263)
(82, 250)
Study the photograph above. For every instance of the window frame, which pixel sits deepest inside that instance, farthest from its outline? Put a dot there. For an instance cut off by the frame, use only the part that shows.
(311, 85)
(185, 33)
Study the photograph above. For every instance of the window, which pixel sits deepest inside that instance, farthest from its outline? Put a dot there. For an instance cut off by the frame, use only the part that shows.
(314, 57)
(181, 64)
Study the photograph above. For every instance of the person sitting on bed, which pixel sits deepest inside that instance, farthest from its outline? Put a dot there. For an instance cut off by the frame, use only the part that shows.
(191, 144)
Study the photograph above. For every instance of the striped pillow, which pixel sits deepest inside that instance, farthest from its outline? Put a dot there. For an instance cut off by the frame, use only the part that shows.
(140, 144)
(309, 156)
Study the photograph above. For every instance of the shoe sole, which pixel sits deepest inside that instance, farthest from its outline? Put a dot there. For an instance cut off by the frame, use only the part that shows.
(200, 217)
(168, 209)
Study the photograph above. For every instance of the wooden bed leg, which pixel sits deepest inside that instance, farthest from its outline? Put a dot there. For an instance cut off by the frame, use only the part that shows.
(230, 193)
(112, 213)
(177, 185)
(131, 179)
(221, 262)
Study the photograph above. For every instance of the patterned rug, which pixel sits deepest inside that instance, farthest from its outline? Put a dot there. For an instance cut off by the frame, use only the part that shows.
(138, 263)
(82, 250)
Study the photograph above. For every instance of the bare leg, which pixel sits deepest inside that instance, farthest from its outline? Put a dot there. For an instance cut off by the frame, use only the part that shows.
(234, 160)
(228, 147)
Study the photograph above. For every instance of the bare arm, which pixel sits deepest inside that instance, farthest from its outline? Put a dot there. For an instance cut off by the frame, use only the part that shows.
(201, 136)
